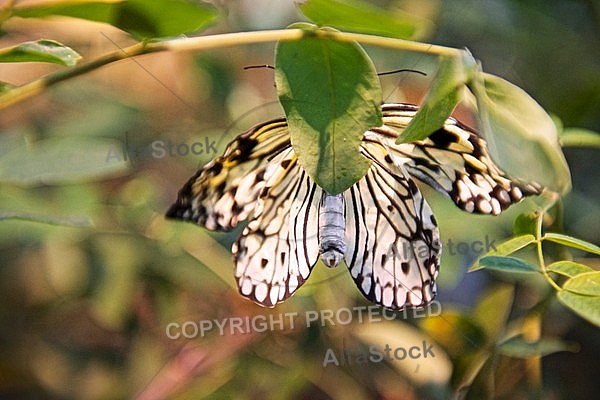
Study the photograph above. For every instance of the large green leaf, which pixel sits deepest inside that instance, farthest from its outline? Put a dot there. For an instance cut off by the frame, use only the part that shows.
(58, 160)
(331, 95)
(41, 51)
(511, 119)
(441, 99)
(360, 16)
(141, 18)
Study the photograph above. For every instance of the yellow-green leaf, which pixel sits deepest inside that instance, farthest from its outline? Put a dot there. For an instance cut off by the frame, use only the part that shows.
(587, 307)
(572, 242)
(505, 248)
(587, 284)
(511, 119)
(40, 51)
(568, 268)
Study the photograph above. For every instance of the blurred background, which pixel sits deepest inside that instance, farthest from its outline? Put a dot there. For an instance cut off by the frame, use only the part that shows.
(88, 294)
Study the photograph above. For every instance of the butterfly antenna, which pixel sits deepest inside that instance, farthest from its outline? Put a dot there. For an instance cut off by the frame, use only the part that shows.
(258, 66)
(401, 70)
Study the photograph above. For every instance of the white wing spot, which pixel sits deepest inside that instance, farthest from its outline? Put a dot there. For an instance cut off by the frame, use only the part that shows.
(484, 206)
(261, 291)
(246, 287)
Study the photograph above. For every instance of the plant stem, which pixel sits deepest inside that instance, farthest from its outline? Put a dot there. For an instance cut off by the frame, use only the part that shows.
(393, 43)
(540, 252)
(215, 41)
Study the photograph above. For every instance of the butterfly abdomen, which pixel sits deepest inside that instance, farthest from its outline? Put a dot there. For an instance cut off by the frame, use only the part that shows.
(332, 229)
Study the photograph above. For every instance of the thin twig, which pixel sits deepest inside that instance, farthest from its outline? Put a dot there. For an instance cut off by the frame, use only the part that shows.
(209, 42)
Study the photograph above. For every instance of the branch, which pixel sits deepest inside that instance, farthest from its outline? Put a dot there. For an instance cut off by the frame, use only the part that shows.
(33, 88)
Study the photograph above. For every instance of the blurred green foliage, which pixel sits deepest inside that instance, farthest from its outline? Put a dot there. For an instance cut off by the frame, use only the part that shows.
(91, 273)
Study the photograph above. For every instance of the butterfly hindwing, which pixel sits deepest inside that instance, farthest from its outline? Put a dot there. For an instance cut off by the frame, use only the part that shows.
(277, 250)
(393, 242)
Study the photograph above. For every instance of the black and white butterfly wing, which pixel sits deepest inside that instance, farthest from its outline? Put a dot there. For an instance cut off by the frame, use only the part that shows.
(258, 176)
(277, 250)
(455, 161)
(393, 247)
(224, 192)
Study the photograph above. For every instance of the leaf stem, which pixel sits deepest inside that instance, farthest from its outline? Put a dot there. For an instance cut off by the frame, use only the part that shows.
(200, 43)
(539, 240)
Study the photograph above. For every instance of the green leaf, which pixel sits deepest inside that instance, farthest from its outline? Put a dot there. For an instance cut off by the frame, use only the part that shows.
(505, 248)
(526, 224)
(441, 98)
(41, 51)
(331, 95)
(572, 242)
(58, 160)
(509, 264)
(141, 18)
(47, 219)
(578, 137)
(360, 16)
(519, 347)
(511, 119)
(587, 283)
(5, 87)
(587, 307)
(568, 268)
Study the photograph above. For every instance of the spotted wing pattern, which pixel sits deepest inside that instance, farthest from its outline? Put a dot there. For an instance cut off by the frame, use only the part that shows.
(393, 246)
(224, 192)
(278, 248)
(393, 241)
(455, 161)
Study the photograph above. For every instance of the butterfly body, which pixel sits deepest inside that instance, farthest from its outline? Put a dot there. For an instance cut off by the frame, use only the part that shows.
(293, 222)
(332, 229)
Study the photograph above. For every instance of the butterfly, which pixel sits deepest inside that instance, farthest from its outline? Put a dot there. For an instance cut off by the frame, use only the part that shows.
(381, 226)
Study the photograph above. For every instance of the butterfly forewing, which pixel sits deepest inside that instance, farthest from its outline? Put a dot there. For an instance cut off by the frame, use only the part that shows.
(224, 192)
(455, 161)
